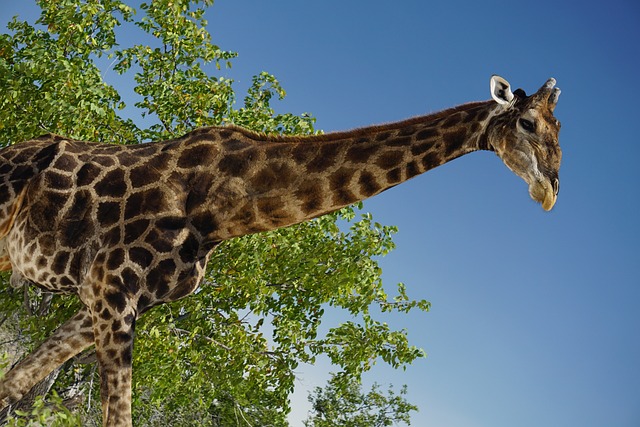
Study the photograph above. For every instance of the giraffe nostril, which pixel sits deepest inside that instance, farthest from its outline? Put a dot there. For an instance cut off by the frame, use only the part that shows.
(556, 186)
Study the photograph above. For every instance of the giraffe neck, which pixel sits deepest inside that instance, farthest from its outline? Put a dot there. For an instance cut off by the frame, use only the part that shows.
(273, 182)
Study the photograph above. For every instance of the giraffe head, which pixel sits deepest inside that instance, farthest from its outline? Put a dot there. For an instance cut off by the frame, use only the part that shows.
(524, 134)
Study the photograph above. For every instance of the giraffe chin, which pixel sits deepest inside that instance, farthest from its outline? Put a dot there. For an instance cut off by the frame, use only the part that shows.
(549, 202)
(542, 192)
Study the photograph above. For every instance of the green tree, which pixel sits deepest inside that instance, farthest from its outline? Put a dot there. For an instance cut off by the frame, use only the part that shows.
(343, 404)
(227, 355)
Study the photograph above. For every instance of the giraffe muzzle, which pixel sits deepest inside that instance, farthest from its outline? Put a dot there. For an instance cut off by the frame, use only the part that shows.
(544, 193)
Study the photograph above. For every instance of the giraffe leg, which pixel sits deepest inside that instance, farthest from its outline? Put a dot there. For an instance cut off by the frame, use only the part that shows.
(113, 330)
(71, 338)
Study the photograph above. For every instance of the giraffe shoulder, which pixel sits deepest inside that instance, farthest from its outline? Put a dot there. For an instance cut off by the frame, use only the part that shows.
(19, 164)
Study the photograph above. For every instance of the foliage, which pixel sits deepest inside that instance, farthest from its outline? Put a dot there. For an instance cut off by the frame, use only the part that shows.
(46, 414)
(4, 363)
(49, 81)
(226, 356)
(342, 404)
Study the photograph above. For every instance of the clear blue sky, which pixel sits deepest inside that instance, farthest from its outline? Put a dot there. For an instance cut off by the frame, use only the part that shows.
(535, 318)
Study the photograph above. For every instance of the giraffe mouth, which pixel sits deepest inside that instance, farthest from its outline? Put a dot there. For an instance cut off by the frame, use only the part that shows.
(543, 193)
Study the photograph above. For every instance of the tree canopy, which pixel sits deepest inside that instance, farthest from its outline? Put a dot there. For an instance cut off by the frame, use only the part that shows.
(227, 355)
(342, 404)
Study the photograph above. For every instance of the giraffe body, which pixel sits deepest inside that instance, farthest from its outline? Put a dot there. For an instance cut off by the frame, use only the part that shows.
(129, 227)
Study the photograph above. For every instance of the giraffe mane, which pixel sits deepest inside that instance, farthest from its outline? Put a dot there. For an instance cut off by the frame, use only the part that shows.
(353, 133)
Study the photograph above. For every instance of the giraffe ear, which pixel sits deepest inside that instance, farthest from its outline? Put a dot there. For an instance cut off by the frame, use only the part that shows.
(501, 90)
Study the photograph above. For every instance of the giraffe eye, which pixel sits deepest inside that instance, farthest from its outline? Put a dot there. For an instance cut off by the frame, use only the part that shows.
(527, 125)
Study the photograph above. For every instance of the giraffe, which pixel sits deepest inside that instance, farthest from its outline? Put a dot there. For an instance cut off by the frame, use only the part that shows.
(129, 227)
